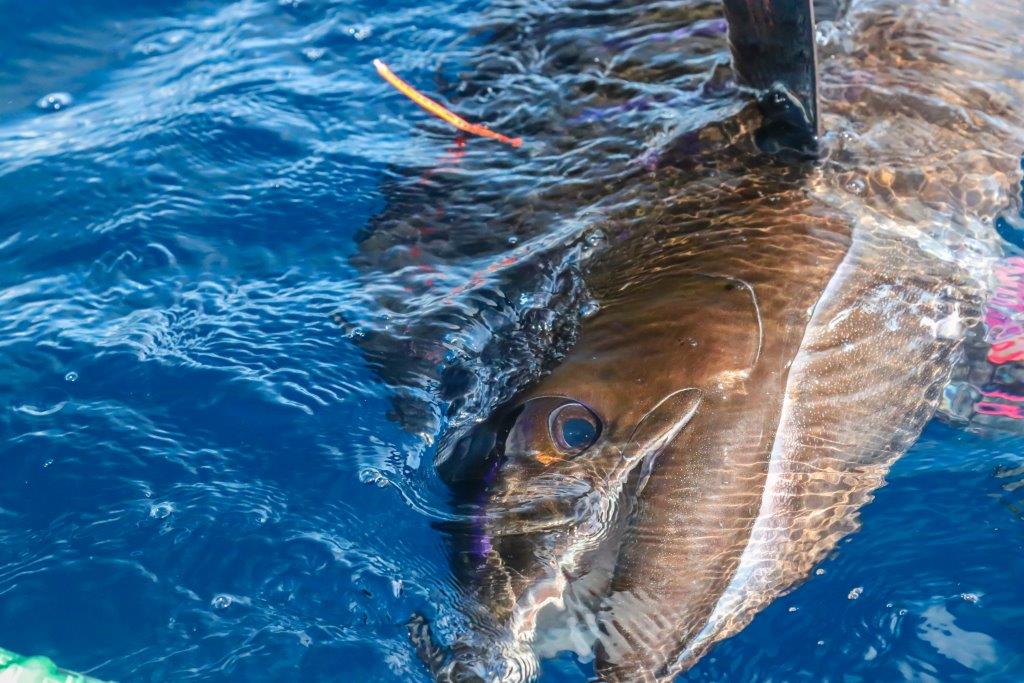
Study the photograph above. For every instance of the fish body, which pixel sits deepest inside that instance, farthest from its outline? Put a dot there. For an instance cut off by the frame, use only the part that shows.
(766, 346)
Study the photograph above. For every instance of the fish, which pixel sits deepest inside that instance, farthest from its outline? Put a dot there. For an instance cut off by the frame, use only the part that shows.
(769, 337)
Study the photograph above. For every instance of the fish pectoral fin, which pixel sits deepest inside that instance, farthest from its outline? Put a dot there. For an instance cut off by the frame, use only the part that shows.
(662, 423)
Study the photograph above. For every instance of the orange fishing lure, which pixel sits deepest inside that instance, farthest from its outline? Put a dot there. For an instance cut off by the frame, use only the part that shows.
(438, 109)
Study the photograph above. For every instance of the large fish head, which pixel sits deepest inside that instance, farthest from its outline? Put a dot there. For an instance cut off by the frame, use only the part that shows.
(569, 456)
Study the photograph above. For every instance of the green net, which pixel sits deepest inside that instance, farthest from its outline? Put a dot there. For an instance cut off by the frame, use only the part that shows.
(17, 669)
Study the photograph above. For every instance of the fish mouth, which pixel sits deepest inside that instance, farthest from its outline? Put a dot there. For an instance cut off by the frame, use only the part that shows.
(502, 666)
(472, 659)
(505, 654)
(577, 538)
(500, 646)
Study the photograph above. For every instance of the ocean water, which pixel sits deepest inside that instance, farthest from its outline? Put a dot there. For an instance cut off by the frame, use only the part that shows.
(226, 365)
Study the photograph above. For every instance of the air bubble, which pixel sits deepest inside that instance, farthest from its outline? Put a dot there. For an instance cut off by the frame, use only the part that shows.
(360, 32)
(372, 476)
(161, 510)
(221, 601)
(313, 53)
(826, 34)
(855, 593)
(55, 101)
(71, 377)
(856, 186)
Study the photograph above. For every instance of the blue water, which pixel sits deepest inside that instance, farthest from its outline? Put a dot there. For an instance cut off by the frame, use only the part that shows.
(203, 473)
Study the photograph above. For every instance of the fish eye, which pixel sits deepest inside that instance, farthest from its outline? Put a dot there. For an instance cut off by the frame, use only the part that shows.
(574, 428)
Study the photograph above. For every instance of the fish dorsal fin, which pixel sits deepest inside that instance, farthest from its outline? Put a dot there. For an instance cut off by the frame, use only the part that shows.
(774, 53)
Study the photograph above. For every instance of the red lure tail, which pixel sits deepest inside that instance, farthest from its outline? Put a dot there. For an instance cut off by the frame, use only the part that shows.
(438, 109)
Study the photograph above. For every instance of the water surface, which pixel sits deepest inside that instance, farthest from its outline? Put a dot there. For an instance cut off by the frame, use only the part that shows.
(248, 288)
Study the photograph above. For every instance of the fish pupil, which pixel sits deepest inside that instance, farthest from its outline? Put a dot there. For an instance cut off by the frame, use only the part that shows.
(578, 432)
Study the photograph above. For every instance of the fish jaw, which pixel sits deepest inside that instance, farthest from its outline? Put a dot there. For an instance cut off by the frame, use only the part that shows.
(523, 577)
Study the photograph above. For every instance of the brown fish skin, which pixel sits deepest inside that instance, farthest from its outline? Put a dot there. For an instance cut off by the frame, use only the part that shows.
(720, 325)
(850, 292)
(777, 318)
